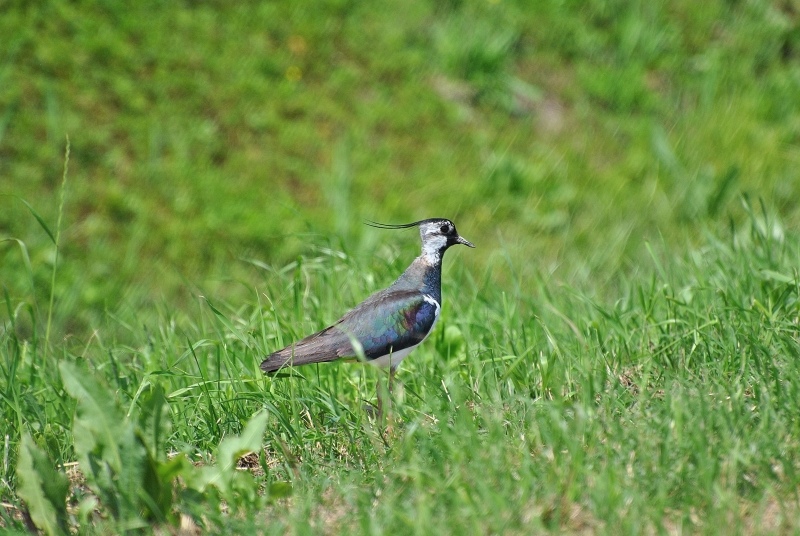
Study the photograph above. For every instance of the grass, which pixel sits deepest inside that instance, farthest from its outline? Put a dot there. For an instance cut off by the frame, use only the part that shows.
(619, 355)
(671, 409)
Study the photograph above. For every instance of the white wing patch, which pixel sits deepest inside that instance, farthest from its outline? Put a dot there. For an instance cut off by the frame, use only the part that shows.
(428, 298)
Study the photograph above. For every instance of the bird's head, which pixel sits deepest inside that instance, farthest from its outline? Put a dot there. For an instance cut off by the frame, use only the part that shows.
(437, 235)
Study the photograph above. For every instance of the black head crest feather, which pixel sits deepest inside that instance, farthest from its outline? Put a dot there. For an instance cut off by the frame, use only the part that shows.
(378, 225)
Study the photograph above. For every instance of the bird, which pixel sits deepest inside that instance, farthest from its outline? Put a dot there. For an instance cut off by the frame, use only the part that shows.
(391, 323)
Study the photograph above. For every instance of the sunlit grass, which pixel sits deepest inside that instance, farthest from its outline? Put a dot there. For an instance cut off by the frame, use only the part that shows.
(619, 354)
(537, 409)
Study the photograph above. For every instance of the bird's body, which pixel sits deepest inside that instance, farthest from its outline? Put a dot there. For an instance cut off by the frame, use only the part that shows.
(389, 324)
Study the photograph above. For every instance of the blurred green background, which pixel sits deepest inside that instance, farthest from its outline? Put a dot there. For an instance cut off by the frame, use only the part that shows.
(209, 140)
(618, 353)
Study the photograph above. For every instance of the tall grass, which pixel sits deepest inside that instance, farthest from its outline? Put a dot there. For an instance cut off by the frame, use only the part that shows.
(531, 408)
(56, 244)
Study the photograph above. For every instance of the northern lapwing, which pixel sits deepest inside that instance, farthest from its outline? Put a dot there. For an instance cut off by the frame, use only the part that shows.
(390, 324)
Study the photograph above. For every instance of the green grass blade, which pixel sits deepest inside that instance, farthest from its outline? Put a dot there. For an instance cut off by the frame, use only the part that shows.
(41, 222)
(230, 450)
(43, 488)
(56, 242)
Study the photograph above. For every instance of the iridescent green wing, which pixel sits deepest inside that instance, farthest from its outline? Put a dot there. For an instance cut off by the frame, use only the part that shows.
(390, 321)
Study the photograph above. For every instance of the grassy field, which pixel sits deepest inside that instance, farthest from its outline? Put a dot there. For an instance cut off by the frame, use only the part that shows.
(620, 354)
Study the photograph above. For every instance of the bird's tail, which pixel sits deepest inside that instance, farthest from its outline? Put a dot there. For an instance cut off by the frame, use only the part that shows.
(294, 356)
(329, 344)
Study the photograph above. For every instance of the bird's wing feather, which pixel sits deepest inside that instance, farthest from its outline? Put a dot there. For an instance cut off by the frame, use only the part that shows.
(387, 321)
(394, 320)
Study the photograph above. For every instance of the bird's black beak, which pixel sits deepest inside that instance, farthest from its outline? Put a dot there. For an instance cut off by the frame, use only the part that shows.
(462, 240)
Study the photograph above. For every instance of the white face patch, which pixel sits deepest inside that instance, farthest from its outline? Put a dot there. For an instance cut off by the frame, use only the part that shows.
(432, 241)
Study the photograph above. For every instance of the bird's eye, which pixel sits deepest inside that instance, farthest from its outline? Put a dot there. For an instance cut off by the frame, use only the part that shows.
(446, 228)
